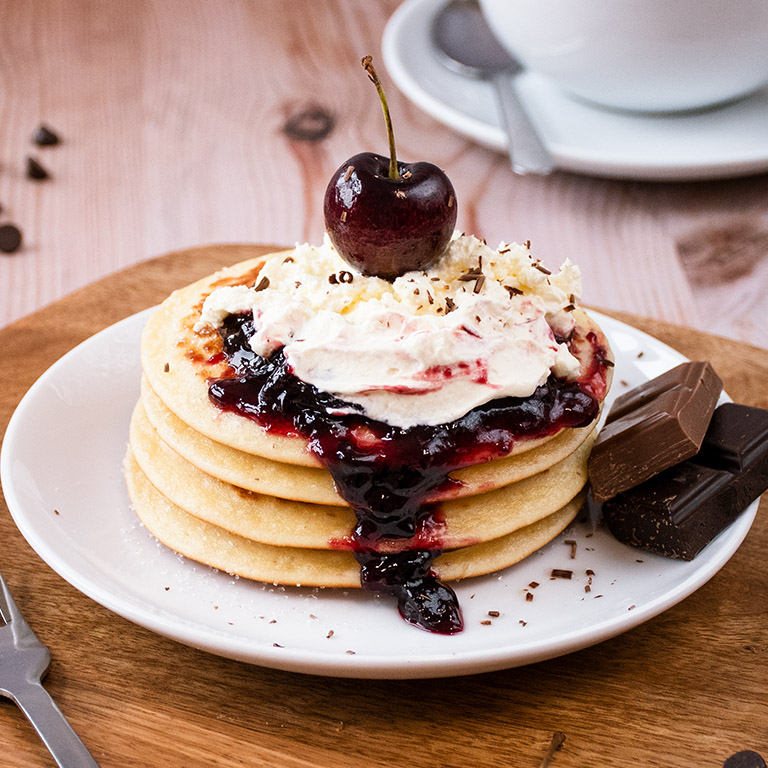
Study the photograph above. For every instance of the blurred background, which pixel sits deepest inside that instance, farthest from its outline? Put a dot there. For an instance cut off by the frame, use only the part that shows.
(185, 122)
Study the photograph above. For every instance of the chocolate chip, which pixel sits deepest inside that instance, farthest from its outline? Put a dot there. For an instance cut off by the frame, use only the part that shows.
(10, 238)
(45, 137)
(35, 170)
(745, 759)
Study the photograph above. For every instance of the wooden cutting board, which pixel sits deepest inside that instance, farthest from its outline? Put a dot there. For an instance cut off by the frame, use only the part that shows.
(685, 689)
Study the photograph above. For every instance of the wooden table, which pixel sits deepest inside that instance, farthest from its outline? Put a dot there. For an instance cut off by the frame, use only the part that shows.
(174, 118)
(687, 688)
(176, 123)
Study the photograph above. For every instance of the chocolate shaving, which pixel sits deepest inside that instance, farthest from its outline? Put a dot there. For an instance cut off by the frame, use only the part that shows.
(533, 584)
(572, 544)
(512, 291)
(288, 260)
(561, 573)
(479, 284)
(558, 738)
(494, 614)
(345, 276)
(529, 597)
(329, 635)
(332, 279)
(542, 269)
(486, 622)
(166, 368)
(263, 283)
(450, 304)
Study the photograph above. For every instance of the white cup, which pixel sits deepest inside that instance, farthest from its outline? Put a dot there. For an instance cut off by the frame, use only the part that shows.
(640, 55)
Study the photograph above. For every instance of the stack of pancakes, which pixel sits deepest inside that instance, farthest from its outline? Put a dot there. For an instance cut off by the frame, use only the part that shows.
(220, 489)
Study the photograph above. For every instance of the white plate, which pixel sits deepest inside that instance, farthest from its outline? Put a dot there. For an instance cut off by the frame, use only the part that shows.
(729, 141)
(61, 473)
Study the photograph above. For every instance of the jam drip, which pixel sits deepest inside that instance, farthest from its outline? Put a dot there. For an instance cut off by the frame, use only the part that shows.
(387, 474)
(422, 599)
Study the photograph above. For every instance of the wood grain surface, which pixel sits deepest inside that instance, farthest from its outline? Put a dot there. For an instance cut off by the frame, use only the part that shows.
(687, 688)
(195, 121)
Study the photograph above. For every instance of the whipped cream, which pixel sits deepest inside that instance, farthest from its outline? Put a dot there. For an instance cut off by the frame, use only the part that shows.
(424, 349)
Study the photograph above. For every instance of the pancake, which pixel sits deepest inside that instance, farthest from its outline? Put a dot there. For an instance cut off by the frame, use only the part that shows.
(276, 521)
(178, 362)
(206, 543)
(315, 485)
(246, 470)
(217, 487)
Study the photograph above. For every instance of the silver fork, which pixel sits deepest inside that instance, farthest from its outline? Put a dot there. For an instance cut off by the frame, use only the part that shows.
(24, 661)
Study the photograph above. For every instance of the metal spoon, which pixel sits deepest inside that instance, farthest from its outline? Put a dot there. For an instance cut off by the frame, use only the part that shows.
(467, 45)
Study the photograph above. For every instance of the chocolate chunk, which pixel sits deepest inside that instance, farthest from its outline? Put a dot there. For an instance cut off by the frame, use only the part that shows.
(680, 510)
(35, 170)
(745, 759)
(45, 137)
(653, 427)
(10, 238)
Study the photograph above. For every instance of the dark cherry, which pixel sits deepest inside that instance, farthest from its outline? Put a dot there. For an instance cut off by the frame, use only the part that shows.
(384, 217)
(388, 475)
(384, 226)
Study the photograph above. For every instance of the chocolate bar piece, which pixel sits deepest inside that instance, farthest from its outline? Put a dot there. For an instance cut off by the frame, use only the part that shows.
(653, 427)
(679, 511)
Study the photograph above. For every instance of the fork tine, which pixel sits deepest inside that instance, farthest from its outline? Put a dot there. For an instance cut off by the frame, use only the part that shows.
(8, 609)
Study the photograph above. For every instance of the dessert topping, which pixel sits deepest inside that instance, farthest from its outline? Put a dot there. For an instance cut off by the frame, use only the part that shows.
(424, 349)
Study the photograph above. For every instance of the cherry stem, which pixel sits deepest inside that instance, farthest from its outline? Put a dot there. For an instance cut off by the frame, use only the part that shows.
(367, 63)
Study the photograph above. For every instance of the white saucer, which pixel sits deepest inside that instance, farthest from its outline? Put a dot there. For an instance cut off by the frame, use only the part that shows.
(719, 143)
(61, 475)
